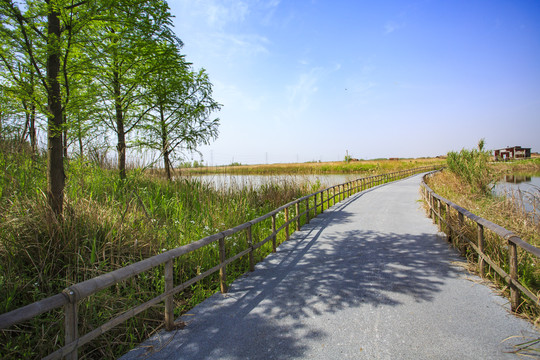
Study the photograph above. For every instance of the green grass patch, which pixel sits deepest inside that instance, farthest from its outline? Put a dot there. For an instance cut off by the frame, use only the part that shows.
(109, 223)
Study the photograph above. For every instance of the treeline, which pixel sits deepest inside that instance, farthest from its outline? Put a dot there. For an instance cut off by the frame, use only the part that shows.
(86, 70)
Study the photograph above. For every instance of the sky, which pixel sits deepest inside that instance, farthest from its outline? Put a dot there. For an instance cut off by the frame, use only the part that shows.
(314, 80)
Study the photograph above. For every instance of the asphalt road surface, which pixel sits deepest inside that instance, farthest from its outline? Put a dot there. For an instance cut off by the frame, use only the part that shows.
(371, 278)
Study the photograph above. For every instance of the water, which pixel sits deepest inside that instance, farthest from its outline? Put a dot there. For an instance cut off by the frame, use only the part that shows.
(226, 181)
(524, 189)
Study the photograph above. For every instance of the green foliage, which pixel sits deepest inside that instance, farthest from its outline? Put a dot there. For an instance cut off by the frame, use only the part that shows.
(109, 223)
(472, 166)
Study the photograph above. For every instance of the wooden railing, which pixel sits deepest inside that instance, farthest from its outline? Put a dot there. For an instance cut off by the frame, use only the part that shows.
(71, 296)
(440, 210)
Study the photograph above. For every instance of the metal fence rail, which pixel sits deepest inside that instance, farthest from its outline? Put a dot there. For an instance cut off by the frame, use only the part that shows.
(440, 210)
(71, 296)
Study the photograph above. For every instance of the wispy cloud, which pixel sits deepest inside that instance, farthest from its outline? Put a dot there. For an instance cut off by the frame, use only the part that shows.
(213, 27)
(235, 99)
(391, 27)
(300, 94)
(216, 13)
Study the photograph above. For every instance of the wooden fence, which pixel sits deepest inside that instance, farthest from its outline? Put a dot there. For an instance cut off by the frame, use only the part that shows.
(440, 210)
(71, 296)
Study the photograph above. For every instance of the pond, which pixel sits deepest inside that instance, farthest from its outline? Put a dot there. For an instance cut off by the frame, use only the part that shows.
(524, 189)
(226, 181)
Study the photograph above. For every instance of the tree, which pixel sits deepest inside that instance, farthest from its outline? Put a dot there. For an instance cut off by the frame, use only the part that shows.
(41, 20)
(181, 118)
(19, 80)
(41, 32)
(127, 52)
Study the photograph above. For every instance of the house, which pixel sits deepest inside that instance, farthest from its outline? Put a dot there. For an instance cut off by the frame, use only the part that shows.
(511, 153)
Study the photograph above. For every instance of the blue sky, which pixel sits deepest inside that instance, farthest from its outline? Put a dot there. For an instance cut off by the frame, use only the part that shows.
(309, 80)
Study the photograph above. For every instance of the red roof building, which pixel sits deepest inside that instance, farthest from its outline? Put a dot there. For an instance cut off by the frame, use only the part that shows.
(511, 153)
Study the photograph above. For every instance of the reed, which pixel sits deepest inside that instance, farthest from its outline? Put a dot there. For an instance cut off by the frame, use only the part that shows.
(364, 167)
(506, 211)
(107, 224)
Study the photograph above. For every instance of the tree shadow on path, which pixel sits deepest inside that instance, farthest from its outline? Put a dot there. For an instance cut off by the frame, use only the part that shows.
(321, 271)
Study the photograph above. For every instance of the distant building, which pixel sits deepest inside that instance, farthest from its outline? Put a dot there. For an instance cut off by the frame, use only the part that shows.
(511, 153)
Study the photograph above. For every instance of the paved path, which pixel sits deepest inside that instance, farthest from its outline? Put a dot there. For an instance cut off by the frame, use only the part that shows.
(368, 279)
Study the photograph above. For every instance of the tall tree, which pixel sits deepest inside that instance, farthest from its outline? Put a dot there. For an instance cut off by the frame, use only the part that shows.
(42, 20)
(38, 30)
(181, 118)
(129, 53)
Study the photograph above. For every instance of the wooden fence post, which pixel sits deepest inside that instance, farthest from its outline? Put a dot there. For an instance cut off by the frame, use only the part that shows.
(322, 201)
(433, 216)
(481, 262)
(315, 205)
(297, 206)
(169, 300)
(461, 225)
(439, 217)
(307, 210)
(513, 260)
(250, 245)
(328, 198)
(223, 270)
(448, 225)
(287, 222)
(274, 233)
(71, 324)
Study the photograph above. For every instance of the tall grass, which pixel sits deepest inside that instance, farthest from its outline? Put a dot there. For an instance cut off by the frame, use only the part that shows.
(107, 224)
(366, 167)
(506, 211)
(472, 166)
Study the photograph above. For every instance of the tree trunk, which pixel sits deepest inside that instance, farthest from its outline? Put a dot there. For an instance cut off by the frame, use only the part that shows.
(167, 163)
(79, 137)
(165, 144)
(65, 141)
(121, 145)
(55, 163)
(33, 140)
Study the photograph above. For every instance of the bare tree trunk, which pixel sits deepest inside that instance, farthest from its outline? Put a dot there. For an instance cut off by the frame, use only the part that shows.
(55, 163)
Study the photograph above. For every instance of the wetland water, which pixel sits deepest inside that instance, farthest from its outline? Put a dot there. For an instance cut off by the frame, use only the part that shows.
(524, 189)
(239, 181)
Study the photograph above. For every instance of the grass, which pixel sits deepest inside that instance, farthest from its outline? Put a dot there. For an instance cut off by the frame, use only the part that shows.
(505, 211)
(365, 167)
(107, 224)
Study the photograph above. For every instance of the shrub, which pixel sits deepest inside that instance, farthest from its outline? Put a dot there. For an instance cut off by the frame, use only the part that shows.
(472, 166)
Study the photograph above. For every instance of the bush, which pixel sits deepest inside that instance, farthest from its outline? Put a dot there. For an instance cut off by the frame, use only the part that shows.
(472, 166)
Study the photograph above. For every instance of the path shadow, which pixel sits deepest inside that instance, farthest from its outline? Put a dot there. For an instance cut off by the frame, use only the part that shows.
(317, 272)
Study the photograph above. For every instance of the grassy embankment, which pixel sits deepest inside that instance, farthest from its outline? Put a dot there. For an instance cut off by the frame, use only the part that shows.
(473, 192)
(109, 223)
